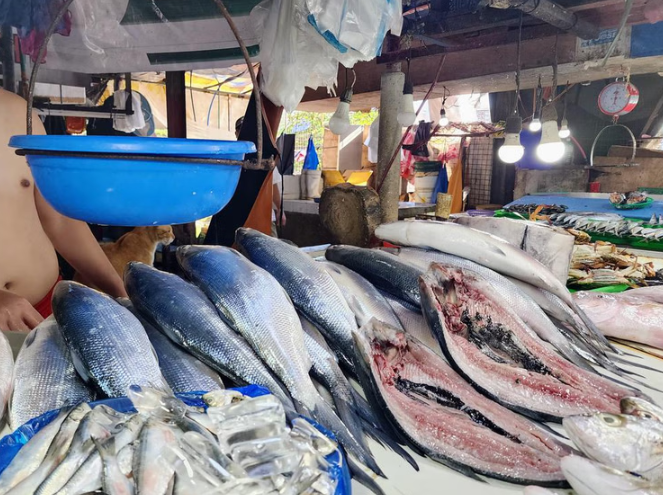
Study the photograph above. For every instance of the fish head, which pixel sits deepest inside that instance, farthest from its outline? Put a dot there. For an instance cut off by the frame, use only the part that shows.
(244, 235)
(623, 442)
(588, 477)
(641, 408)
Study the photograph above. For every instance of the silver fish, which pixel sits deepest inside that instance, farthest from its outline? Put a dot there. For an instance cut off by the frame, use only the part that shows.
(6, 369)
(45, 378)
(482, 248)
(269, 323)
(636, 406)
(357, 289)
(114, 482)
(88, 477)
(623, 442)
(184, 372)
(31, 455)
(107, 343)
(56, 452)
(414, 323)
(183, 313)
(592, 478)
(311, 289)
(153, 461)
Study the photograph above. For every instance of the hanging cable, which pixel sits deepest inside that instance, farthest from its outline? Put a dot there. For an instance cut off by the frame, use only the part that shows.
(518, 62)
(193, 105)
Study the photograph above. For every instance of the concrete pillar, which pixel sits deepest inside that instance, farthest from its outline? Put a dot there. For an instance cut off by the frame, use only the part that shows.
(391, 90)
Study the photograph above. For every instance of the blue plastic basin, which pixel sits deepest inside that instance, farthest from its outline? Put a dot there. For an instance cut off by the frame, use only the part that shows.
(134, 192)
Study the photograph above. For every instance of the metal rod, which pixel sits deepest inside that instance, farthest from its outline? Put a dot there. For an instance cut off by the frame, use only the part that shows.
(254, 79)
(40, 56)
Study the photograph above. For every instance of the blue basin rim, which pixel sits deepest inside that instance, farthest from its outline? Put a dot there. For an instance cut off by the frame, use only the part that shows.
(133, 145)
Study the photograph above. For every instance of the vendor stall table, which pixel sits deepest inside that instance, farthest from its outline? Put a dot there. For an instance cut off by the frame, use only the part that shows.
(595, 202)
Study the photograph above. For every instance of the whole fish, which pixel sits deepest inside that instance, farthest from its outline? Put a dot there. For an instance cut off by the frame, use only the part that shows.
(254, 303)
(383, 270)
(526, 308)
(592, 478)
(357, 290)
(57, 451)
(152, 461)
(89, 476)
(182, 371)
(311, 289)
(620, 441)
(636, 406)
(114, 482)
(6, 370)
(45, 378)
(486, 342)
(480, 247)
(182, 312)
(28, 459)
(107, 343)
(624, 317)
(443, 418)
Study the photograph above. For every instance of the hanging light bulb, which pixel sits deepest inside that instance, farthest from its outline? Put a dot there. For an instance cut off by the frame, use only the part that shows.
(444, 120)
(512, 151)
(564, 131)
(406, 115)
(535, 125)
(550, 149)
(339, 124)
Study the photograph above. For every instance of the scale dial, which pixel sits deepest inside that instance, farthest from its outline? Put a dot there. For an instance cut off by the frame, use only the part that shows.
(618, 98)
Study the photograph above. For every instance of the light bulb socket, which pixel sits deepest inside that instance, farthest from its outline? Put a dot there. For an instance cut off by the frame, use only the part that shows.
(408, 88)
(347, 96)
(514, 125)
(443, 113)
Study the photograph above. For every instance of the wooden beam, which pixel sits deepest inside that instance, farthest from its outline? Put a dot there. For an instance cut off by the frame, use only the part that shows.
(654, 115)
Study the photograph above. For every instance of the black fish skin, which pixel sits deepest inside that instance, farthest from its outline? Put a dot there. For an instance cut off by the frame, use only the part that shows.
(382, 269)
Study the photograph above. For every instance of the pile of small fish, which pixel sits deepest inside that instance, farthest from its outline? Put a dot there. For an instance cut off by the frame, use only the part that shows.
(462, 343)
(610, 224)
(238, 445)
(628, 198)
(528, 209)
(602, 263)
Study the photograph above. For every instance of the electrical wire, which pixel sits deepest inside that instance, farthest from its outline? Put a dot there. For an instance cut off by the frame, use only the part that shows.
(518, 63)
(620, 30)
(193, 105)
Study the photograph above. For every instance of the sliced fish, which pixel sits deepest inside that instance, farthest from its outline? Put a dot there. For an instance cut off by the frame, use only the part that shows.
(486, 342)
(183, 313)
(107, 342)
(442, 417)
(45, 378)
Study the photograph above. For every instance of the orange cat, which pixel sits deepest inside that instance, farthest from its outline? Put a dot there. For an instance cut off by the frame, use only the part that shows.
(138, 245)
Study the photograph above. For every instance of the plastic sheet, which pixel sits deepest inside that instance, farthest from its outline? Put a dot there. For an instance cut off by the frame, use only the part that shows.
(12, 443)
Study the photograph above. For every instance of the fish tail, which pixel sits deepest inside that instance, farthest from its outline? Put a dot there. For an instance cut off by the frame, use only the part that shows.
(386, 441)
(362, 478)
(363, 408)
(324, 414)
(594, 331)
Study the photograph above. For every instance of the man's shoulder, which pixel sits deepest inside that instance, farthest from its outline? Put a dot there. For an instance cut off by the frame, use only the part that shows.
(10, 101)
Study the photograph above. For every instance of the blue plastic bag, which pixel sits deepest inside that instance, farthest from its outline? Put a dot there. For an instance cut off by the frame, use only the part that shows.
(442, 184)
(311, 162)
(12, 443)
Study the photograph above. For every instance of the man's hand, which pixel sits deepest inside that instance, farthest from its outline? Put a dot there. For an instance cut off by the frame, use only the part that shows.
(16, 313)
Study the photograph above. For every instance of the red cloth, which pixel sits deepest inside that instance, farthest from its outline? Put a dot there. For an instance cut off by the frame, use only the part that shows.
(43, 307)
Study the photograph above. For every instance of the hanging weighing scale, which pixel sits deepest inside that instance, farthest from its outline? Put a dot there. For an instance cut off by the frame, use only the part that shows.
(617, 99)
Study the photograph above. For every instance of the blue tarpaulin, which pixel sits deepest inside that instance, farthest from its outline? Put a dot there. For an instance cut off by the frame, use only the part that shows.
(311, 162)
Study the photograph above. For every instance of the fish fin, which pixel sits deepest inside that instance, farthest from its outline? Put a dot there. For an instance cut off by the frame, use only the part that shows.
(363, 408)
(591, 326)
(80, 368)
(637, 365)
(387, 442)
(106, 448)
(324, 414)
(457, 466)
(362, 478)
(361, 314)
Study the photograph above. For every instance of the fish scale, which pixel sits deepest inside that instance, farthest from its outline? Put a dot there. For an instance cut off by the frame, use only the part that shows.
(255, 304)
(184, 313)
(108, 342)
(44, 377)
(311, 289)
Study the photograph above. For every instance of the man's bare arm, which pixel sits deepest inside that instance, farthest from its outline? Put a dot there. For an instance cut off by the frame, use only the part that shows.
(16, 313)
(75, 242)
